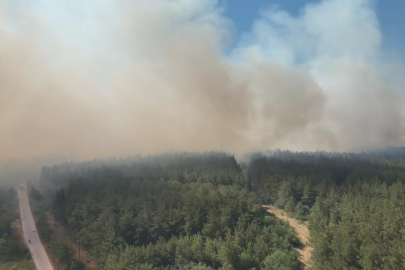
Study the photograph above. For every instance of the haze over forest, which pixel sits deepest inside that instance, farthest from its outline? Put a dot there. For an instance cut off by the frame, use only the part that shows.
(115, 78)
(202, 135)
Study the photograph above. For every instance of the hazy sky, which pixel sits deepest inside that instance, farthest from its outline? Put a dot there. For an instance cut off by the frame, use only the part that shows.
(101, 78)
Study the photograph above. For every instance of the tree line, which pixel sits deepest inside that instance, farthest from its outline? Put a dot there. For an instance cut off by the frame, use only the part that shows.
(202, 211)
(353, 203)
(193, 213)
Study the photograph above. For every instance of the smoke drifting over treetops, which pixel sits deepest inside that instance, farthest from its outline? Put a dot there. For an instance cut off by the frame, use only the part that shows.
(108, 77)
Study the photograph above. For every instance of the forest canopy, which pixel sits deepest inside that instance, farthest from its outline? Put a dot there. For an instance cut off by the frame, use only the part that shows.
(204, 211)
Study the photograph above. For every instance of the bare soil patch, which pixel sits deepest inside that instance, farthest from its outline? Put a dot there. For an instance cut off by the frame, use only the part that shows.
(301, 228)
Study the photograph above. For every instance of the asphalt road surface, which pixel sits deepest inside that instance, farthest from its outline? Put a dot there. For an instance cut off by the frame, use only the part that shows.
(37, 250)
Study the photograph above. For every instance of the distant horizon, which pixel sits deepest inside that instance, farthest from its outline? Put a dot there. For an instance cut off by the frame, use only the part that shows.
(75, 159)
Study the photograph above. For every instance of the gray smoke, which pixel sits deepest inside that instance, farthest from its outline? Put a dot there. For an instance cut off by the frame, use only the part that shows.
(100, 78)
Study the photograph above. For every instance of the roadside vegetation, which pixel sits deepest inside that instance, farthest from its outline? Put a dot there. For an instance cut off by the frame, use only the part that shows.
(14, 255)
(60, 252)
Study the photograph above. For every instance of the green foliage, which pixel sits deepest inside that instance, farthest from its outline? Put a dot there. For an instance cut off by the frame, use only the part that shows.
(43, 228)
(194, 213)
(294, 180)
(11, 249)
(8, 200)
(354, 203)
(219, 226)
(63, 254)
(38, 203)
(76, 265)
(23, 265)
(360, 228)
(61, 251)
(35, 195)
(197, 212)
(281, 260)
(212, 167)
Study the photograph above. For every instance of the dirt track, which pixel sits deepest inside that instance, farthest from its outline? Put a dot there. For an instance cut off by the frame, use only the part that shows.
(300, 227)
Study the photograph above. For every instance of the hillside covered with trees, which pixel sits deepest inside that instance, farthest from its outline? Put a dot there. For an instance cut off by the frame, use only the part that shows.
(202, 211)
(171, 212)
(354, 203)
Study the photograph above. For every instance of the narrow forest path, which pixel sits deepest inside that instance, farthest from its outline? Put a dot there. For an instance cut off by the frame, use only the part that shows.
(301, 228)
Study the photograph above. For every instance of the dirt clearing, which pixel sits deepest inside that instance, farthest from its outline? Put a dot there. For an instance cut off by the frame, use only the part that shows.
(302, 231)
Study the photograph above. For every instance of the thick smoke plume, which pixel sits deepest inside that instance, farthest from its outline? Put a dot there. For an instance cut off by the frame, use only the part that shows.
(101, 78)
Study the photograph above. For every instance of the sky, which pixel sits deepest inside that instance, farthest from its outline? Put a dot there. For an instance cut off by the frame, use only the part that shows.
(390, 14)
(114, 78)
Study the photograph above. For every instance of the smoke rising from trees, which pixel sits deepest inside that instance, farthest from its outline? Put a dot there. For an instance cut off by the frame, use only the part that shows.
(122, 77)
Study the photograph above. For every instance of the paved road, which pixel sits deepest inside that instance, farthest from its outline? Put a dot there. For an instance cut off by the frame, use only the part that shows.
(37, 250)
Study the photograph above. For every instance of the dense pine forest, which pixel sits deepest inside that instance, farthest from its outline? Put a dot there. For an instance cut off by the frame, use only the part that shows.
(354, 203)
(203, 211)
(171, 212)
